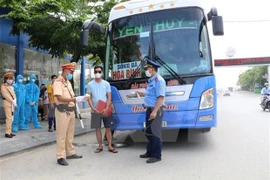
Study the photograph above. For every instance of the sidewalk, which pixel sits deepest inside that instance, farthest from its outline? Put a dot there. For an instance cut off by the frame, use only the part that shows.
(37, 137)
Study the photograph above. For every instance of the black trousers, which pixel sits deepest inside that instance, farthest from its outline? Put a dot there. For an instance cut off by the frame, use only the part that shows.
(153, 133)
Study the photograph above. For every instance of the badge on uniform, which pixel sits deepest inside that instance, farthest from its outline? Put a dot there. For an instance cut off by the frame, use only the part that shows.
(160, 87)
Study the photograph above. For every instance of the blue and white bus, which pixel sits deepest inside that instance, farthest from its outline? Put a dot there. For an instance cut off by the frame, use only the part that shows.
(175, 34)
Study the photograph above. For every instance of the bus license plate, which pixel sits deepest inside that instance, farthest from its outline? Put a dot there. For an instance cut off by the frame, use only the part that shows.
(164, 124)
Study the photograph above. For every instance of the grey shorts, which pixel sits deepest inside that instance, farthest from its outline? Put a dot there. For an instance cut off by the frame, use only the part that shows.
(97, 118)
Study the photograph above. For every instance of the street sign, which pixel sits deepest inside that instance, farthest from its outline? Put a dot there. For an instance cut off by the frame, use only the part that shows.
(242, 61)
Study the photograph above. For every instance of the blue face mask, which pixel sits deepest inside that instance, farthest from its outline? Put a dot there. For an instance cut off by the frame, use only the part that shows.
(33, 80)
(69, 76)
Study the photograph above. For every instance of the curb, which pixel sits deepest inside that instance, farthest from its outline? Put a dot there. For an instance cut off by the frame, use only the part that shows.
(35, 138)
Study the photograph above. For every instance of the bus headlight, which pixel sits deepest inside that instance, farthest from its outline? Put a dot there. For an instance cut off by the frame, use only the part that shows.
(207, 99)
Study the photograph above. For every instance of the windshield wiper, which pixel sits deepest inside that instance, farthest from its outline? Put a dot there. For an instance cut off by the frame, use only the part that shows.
(170, 70)
(126, 85)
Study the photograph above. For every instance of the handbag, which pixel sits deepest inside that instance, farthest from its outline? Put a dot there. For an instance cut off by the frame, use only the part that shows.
(40, 102)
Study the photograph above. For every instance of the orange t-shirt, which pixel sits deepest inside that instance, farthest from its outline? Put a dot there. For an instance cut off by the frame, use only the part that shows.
(50, 93)
(63, 88)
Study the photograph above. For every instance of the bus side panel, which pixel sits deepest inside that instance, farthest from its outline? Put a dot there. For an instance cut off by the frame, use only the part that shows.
(174, 120)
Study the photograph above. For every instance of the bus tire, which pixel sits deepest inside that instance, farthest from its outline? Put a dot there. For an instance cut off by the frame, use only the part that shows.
(206, 130)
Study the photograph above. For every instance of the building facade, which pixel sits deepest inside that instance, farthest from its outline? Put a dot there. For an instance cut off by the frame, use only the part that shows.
(16, 56)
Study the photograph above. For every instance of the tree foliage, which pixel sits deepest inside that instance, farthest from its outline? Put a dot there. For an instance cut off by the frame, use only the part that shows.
(55, 25)
(251, 77)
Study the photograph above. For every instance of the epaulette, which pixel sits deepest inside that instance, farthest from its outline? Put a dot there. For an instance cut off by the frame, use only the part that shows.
(156, 79)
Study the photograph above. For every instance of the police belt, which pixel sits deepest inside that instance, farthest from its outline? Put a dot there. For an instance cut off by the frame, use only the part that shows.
(64, 108)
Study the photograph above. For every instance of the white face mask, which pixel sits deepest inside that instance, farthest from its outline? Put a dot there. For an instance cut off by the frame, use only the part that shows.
(9, 81)
(147, 73)
(20, 80)
(33, 80)
(97, 75)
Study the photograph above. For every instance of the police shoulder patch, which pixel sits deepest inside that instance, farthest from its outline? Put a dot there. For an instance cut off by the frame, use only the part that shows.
(156, 79)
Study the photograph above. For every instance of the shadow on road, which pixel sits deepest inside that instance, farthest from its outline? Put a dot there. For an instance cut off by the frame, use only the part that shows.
(172, 139)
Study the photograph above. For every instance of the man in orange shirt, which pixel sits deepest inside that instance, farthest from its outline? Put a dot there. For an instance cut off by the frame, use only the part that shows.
(65, 100)
(51, 114)
(9, 102)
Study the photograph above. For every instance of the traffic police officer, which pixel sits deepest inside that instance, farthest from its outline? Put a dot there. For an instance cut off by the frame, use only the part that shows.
(65, 100)
(9, 102)
(153, 102)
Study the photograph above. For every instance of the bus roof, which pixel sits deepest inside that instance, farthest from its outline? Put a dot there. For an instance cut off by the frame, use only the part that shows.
(133, 7)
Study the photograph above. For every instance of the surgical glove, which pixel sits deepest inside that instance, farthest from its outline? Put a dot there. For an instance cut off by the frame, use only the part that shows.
(80, 99)
(86, 97)
(14, 102)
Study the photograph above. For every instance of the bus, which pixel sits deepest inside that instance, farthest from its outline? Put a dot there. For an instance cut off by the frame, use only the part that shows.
(174, 34)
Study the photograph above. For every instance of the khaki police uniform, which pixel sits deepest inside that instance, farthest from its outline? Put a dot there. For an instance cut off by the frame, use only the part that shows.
(65, 121)
(8, 95)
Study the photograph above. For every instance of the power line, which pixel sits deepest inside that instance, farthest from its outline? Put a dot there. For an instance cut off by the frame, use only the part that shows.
(251, 21)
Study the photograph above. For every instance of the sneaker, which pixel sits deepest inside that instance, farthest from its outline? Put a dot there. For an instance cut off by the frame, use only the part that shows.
(62, 162)
(74, 156)
(145, 155)
(153, 160)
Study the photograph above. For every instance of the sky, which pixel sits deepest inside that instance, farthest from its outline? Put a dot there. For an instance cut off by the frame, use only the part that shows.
(249, 39)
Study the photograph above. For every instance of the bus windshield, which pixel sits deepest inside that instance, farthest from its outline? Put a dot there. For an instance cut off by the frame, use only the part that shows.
(177, 36)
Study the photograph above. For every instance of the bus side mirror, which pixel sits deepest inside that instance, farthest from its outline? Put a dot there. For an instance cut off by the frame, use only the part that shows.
(217, 23)
(87, 25)
(98, 28)
(84, 36)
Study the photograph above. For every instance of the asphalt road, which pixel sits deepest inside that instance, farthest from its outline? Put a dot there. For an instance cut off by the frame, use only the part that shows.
(238, 149)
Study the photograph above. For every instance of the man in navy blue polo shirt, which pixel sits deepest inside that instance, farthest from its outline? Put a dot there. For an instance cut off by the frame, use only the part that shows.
(153, 101)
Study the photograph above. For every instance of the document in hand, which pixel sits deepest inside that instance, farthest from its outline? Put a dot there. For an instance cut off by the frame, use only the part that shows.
(101, 105)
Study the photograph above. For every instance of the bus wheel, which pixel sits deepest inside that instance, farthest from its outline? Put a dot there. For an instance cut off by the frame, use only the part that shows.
(206, 130)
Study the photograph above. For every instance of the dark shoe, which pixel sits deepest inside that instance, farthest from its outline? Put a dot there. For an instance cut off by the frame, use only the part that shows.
(13, 134)
(8, 136)
(145, 155)
(62, 162)
(74, 156)
(153, 160)
(50, 130)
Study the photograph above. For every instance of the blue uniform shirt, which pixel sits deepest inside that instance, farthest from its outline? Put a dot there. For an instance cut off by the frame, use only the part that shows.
(265, 91)
(156, 87)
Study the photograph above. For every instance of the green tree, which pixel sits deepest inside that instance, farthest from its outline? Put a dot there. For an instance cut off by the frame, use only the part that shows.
(55, 25)
(253, 76)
